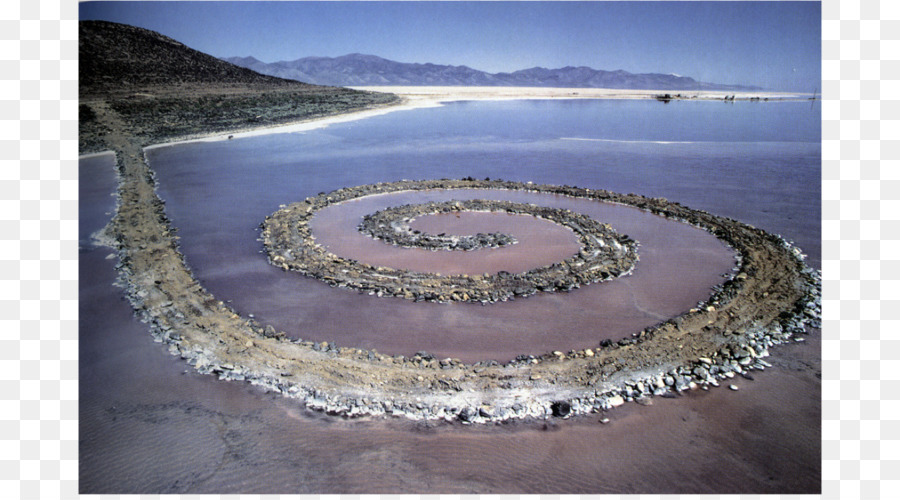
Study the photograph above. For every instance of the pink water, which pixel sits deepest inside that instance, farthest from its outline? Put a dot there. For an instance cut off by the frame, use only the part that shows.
(678, 265)
(149, 424)
(540, 242)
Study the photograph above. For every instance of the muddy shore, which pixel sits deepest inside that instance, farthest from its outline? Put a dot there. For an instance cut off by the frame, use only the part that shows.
(771, 297)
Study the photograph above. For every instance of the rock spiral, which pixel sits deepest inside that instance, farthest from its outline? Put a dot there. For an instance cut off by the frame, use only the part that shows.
(604, 254)
(770, 297)
(391, 225)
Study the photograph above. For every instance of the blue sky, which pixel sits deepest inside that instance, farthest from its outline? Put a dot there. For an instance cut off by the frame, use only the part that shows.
(775, 45)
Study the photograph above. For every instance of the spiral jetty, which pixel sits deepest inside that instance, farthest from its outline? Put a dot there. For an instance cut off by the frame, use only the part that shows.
(771, 296)
(290, 244)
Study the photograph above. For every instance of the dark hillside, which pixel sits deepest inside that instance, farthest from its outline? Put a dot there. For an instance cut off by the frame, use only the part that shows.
(163, 90)
(115, 57)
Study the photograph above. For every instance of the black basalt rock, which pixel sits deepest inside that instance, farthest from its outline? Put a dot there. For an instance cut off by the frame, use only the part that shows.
(561, 409)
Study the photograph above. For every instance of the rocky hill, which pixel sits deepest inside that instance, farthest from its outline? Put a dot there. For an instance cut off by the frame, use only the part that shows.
(162, 89)
(115, 57)
(362, 69)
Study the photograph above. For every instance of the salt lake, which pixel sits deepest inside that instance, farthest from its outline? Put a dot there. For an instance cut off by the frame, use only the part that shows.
(149, 424)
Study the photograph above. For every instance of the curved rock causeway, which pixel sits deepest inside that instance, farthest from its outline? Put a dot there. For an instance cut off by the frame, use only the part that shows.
(391, 225)
(290, 244)
(770, 296)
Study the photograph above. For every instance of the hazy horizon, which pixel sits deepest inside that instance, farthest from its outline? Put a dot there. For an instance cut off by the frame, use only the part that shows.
(774, 45)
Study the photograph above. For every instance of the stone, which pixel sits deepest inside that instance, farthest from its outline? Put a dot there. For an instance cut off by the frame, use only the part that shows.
(602, 248)
(560, 409)
(615, 401)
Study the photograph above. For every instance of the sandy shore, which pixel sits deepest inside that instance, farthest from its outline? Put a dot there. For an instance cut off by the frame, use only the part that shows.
(447, 94)
(414, 97)
(301, 126)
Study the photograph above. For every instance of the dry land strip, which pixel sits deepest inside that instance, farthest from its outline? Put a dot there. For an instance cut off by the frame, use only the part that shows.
(433, 95)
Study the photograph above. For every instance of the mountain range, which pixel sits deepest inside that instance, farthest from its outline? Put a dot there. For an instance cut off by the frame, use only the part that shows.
(370, 70)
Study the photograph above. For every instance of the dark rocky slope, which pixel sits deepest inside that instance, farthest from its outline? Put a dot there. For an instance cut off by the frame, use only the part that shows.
(165, 90)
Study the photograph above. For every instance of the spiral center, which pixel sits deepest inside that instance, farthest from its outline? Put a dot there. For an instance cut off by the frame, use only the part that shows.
(603, 254)
(392, 225)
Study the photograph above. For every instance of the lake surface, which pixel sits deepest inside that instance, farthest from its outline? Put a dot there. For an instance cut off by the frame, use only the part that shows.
(148, 424)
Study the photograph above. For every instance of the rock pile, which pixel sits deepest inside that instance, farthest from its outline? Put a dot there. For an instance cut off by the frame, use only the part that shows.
(769, 299)
(391, 225)
(290, 244)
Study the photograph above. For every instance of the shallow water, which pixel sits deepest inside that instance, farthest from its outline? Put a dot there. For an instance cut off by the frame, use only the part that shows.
(678, 266)
(539, 242)
(149, 424)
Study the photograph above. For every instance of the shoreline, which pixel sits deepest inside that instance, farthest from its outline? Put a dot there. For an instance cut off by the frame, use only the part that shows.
(448, 94)
(290, 128)
(96, 154)
(414, 97)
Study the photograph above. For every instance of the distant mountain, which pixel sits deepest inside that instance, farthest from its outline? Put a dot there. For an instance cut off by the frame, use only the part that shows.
(362, 69)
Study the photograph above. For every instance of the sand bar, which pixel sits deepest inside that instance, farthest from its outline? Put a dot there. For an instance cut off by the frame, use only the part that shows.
(448, 94)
